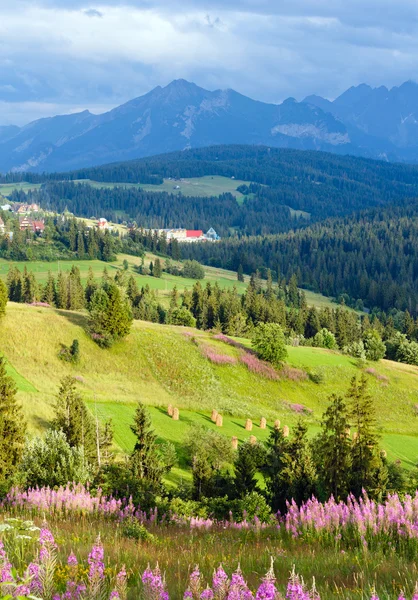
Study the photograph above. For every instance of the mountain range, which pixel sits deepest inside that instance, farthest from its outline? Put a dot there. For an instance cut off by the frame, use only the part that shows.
(371, 122)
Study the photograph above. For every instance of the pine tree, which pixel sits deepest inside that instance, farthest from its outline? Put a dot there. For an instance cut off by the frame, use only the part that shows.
(14, 284)
(145, 461)
(110, 315)
(299, 473)
(62, 291)
(74, 419)
(72, 235)
(92, 245)
(3, 298)
(81, 247)
(273, 470)
(173, 298)
(75, 298)
(366, 460)
(249, 459)
(240, 273)
(334, 450)
(30, 287)
(91, 286)
(157, 268)
(50, 292)
(12, 427)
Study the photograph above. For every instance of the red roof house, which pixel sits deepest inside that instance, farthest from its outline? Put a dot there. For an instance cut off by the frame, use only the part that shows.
(194, 233)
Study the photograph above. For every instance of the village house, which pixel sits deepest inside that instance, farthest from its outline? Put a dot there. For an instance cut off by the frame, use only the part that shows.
(103, 225)
(1, 226)
(27, 224)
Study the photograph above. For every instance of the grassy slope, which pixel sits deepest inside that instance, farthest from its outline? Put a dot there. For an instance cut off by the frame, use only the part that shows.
(160, 365)
(225, 279)
(206, 186)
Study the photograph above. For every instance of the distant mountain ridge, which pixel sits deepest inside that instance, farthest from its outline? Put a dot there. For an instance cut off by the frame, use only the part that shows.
(363, 121)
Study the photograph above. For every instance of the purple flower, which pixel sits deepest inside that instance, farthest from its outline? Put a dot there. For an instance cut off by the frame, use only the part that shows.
(95, 560)
(207, 594)
(21, 590)
(46, 537)
(72, 560)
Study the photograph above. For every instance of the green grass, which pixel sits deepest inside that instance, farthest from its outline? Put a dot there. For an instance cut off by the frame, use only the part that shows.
(206, 186)
(163, 285)
(160, 365)
(7, 188)
(347, 573)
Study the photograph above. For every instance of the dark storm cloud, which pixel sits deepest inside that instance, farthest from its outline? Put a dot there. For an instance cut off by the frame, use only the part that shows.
(54, 59)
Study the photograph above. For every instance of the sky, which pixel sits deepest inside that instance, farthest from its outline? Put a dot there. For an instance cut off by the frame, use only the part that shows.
(61, 56)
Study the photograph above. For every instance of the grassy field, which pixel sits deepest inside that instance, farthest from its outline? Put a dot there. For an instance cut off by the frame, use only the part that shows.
(161, 365)
(7, 188)
(163, 286)
(206, 186)
(340, 571)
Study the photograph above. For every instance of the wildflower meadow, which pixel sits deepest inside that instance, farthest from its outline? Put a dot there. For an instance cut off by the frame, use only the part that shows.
(68, 544)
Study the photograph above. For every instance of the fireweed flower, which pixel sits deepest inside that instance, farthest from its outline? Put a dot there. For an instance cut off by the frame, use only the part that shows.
(207, 594)
(195, 583)
(95, 560)
(220, 583)
(21, 590)
(72, 560)
(33, 574)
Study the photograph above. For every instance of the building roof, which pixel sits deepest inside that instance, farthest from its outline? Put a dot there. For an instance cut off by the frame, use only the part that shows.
(38, 225)
(194, 233)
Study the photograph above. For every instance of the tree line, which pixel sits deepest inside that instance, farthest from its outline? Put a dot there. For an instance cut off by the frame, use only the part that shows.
(114, 301)
(371, 256)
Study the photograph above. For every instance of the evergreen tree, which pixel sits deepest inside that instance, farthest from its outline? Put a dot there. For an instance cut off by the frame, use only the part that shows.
(3, 298)
(110, 315)
(14, 284)
(366, 459)
(50, 291)
(299, 474)
(30, 287)
(273, 470)
(75, 296)
(91, 286)
(249, 459)
(74, 419)
(173, 298)
(62, 291)
(12, 427)
(157, 268)
(81, 247)
(145, 460)
(240, 273)
(334, 450)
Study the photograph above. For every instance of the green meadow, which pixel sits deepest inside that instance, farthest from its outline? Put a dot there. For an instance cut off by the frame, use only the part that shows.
(162, 365)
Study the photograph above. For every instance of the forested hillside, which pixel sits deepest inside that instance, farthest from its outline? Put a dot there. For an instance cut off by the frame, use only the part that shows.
(372, 256)
(322, 185)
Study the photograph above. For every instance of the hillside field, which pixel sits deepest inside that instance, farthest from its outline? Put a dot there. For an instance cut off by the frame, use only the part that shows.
(162, 365)
(163, 285)
(205, 187)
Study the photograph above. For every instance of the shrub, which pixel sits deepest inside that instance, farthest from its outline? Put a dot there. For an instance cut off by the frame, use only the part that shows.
(325, 339)
(255, 505)
(70, 353)
(374, 348)
(269, 342)
(135, 530)
(355, 349)
(182, 316)
(51, 461)
(193, 270)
